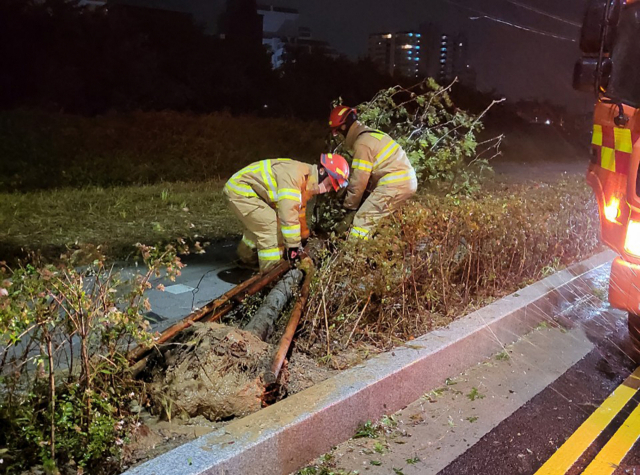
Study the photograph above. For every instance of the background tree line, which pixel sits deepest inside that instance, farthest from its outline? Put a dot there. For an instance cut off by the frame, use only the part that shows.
(58, 55)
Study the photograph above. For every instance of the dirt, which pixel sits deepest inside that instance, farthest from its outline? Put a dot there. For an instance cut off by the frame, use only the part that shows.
(303, 372)
(156, 436)
(212, 370)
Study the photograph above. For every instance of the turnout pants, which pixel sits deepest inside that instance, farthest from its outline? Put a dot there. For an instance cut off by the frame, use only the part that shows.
(261, 241)
(383, 201)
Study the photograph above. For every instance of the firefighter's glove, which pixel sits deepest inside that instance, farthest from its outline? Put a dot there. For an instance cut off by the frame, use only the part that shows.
(294, 254)
(343, 226)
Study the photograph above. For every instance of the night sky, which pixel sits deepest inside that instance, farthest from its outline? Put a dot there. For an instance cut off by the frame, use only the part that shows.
(516, 63)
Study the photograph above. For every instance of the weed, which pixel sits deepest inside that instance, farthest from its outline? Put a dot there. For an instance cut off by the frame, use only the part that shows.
(378, 448)
(413, 461)
(542, 326)
(368, 429)
(472, 419)
(474, 394)
(377, 463)
(503, 355)
(397, 471)
(389, 421)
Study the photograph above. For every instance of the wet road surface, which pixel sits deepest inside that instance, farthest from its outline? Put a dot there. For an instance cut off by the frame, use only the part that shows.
(547, 394)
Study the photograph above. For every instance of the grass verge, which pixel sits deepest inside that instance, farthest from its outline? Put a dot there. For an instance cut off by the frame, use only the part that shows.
(115, 218)
(39, 150)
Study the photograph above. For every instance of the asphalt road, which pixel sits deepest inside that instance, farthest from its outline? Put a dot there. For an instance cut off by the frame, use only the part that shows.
(547, 394)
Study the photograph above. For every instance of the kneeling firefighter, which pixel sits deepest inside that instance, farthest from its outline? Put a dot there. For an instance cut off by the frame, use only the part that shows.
(270, 198)
(380, 168)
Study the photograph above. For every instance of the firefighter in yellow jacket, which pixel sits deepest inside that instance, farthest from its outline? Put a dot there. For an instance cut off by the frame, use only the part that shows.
(270, 198)
(380, 167)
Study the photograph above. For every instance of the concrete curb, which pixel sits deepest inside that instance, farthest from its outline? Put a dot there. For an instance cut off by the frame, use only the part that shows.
(282, 438)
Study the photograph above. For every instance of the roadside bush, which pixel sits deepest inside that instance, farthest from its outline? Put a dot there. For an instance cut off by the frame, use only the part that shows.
(439, 258)
(65, 388)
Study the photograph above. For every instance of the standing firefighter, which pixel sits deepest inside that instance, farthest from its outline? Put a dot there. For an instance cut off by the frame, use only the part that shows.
(270, 198)
(380, 167)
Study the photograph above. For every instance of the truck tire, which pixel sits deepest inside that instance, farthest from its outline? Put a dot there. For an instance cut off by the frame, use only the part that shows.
(634, 331)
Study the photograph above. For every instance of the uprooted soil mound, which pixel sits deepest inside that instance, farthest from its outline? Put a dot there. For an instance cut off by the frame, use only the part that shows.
(212, 370)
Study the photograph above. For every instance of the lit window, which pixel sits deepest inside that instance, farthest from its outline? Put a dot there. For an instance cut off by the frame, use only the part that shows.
(460, 44)
(417, 47)
(416, 59)
(410, 34)
(387, 35)
(418, 35)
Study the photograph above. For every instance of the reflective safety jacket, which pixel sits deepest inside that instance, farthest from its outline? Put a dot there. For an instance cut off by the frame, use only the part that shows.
(286, 185)
(378, 161)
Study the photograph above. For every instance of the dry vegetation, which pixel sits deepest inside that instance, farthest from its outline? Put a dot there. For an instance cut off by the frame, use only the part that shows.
(441, 257)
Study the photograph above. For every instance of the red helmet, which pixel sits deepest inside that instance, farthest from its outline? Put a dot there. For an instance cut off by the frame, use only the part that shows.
(337, 169)
(338, 117)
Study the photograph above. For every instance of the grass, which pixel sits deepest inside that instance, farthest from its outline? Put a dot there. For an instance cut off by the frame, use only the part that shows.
(40, 150)
(115, 218)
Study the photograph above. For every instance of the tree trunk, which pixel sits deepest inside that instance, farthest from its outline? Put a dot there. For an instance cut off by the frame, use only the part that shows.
(263, 321)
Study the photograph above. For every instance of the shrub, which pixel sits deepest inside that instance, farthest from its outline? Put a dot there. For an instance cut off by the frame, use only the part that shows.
(65, 388)
(438, 258)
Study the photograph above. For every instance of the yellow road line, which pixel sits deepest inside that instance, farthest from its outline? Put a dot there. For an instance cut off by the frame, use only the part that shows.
(607, 461)
(574, 447)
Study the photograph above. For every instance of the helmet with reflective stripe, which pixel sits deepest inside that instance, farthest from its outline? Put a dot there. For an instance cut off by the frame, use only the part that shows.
(337, 169)
(339, 116)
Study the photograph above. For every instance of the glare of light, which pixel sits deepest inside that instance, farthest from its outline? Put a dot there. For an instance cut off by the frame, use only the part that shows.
(387, 35)
(548, 122)
(632, 243)
(410, 34)
(407, 46)
(612, 210)
(418, 35)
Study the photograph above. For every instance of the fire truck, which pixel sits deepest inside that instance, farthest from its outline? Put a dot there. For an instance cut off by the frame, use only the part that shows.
(610, 68)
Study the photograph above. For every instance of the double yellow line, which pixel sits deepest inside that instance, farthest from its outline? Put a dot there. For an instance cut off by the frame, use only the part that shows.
(618, 446)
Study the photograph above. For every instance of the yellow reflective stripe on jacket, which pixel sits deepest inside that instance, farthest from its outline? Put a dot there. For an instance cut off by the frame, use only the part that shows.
(397, 177)
(362, 165)
(272, 254)
(289, 194)
(360, 233)
(291, 231)
(385, 153)
(269, 180)
(240, 189)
